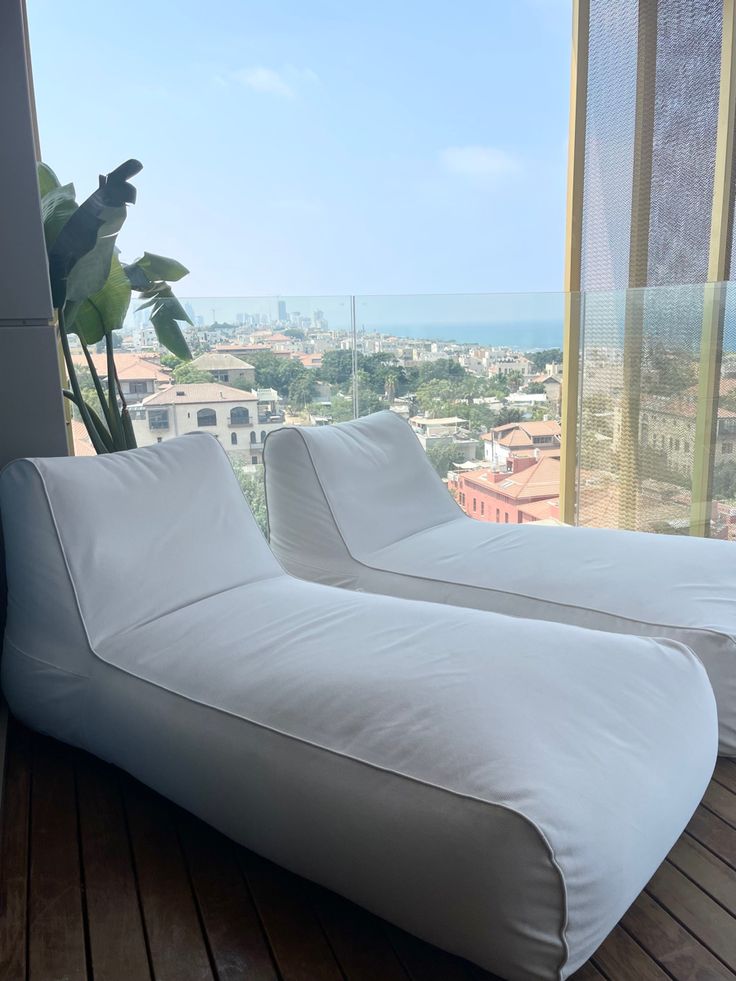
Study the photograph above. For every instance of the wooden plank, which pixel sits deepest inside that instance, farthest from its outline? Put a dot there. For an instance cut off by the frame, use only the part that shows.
(588, 972)
(709, 922)
(4, 731)
(357, 938)
(296, 937)
(671, 945)
(116, 937)
(14, 855)
(620, 956)
(423, 962)
(725, 773)
(721, 801)
(711, 874)
(175, 940)
(56, 941)
(715, 834)
(236, 940)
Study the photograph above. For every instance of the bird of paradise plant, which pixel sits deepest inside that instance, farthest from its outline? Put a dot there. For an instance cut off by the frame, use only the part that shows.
(91, 291)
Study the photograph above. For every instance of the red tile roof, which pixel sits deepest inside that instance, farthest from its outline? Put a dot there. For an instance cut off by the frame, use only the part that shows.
(199, 393)
(130, 367)
(540, 480)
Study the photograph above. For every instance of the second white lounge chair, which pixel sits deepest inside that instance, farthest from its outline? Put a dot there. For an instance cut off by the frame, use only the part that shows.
(359, 505)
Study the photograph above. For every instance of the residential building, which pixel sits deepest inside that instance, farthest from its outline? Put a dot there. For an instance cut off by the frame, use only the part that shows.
(446, 431)
(509, 364)
(667, 428)
(506, 498)
(309, 360)
(444, 426)
(522, 439)
(269, 407)
(527, 398)
(552, 383)
(226, 368)
(230, 414)
(139, 376)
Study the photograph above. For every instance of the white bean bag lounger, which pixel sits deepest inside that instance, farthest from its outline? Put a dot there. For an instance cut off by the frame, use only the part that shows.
(359, 505)
(499, 787)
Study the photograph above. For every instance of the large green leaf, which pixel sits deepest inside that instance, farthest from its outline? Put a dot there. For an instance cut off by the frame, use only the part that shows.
(166, 315)
(148, 276)
(138, 279)
(57, 207)
(103, 311)
(160, 268)
(47, 179)
(80, 258)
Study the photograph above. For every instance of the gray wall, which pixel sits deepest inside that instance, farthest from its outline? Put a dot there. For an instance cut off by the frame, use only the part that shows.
(30, 401)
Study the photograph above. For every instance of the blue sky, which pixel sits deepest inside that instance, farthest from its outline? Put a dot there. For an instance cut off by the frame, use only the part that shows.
(320, 146)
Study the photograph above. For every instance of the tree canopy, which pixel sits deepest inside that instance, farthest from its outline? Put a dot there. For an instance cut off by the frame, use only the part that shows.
(540, 359)
(185, 374)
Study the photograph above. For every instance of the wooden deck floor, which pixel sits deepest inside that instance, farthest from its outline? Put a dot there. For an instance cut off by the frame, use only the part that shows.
(102, 879)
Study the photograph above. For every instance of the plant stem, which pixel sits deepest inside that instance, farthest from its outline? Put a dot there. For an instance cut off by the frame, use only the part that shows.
(117, 424)
(95, 437)
(130, 441)
(98, 384)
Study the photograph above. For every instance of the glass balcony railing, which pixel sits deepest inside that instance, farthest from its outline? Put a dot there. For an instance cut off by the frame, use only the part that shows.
(651, 438)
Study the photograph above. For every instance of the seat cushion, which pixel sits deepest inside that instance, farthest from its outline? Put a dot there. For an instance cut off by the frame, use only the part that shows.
(502, 788)
(331, 522)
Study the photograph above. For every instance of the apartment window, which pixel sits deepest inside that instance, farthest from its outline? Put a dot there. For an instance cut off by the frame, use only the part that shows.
(726, 447)
(206, 417)
(137, 388)
(253, 437)
(158, 419)
(498, 516)
(474, 504)
(263, 435)
(239, 416)
(159, 439)
(506, 518)
(482, 508)
(254, 459)
(234, 439)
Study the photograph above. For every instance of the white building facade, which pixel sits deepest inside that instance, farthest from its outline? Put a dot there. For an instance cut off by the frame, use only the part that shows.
(233, 416)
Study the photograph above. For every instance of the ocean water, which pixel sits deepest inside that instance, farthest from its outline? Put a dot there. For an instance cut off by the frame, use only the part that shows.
(521, 335)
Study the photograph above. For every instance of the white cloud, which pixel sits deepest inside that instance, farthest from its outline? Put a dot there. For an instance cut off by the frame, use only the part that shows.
(285, 83)
(482, 163)
(265, 80)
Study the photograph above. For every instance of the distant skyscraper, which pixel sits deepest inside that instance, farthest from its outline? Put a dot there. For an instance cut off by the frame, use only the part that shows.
(282, 316)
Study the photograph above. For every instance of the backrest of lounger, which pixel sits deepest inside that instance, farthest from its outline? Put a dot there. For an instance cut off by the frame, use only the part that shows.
(123, 538)
(369, 478)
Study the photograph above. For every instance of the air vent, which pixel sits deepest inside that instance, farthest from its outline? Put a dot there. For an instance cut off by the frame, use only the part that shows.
(181, 393)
